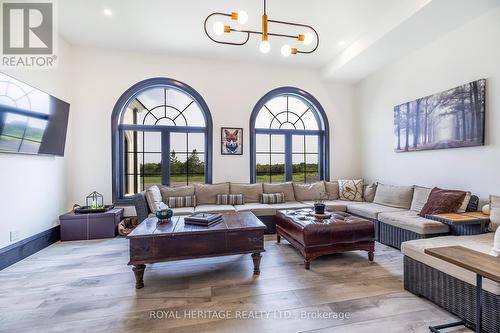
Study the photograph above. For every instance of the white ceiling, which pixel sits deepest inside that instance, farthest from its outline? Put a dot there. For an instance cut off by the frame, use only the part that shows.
(347, 28)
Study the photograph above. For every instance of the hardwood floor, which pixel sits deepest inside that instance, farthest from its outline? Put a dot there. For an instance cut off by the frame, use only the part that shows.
(86, 286)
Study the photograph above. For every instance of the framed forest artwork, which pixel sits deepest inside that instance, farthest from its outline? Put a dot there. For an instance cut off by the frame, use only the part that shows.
(231, 141)
(450, 119)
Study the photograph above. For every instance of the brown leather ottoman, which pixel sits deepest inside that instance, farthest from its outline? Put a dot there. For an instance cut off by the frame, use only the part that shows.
(313, 237)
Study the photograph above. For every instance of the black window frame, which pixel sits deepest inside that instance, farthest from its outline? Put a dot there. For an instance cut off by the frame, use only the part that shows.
(322, 133)
(118, 129)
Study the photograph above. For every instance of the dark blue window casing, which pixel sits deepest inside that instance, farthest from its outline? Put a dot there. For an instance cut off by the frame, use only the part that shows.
(172, 119)
(295, 128)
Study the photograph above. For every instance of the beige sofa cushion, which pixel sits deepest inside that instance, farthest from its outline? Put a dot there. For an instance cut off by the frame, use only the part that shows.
(482, 243)
(420, 196)
(410, 220)
(369, 191)
(370, 210)
(332, 190)
(289, 205)
(286, 188)
(177, 191)
(257, 209)
(313, 191)
(338, 205)
(153, 197)
(214, 209)
(495, 251)
(351, 189)
(394, 196)
(183, 211)
(494, 212)
(206, 194)
(251, 192)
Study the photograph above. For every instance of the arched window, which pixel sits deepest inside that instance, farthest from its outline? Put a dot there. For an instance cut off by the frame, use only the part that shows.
(162, 134)
(289, 138)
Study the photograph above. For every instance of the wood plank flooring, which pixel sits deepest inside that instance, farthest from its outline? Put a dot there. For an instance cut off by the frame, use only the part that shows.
(86, 286)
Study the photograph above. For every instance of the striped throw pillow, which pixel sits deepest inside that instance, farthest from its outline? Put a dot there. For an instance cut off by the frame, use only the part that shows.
(230, 199)
(178, 202)
(272, 198)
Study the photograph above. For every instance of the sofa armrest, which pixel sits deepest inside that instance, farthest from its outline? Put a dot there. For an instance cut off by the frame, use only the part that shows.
(141, 206)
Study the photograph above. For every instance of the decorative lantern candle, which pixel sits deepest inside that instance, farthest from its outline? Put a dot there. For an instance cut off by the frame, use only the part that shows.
(95, 200)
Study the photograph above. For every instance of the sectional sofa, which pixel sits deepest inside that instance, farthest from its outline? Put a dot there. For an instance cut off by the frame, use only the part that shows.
(393, 209)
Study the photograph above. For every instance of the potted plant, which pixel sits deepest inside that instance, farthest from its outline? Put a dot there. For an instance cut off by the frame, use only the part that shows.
(319, 204)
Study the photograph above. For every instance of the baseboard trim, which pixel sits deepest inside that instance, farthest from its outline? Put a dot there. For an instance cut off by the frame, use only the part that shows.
(13, 253)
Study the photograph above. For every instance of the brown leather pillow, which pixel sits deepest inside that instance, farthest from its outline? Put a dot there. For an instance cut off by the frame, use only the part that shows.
(443, 201)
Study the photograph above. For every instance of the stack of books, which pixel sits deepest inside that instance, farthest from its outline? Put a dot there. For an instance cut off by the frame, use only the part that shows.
(203, 219)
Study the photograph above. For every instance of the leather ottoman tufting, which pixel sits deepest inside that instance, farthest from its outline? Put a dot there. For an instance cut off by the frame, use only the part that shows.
(313, 237)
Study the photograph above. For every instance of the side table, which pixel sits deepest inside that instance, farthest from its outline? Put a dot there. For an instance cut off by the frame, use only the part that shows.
(480, 263)
(462, 224)
(90, 226)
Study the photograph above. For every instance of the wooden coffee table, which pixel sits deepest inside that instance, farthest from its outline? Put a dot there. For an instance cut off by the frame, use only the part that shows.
(151, 242)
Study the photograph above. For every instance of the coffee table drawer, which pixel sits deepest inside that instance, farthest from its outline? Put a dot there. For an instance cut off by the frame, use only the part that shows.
(245, 240)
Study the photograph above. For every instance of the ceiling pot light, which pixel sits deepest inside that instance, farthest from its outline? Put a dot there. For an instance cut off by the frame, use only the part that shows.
(107, 12)
(342, 43)
(265, 46)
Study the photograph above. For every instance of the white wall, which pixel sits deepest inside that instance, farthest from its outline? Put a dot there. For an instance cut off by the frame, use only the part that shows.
(33, 187)
(230, 89)
(466, 54)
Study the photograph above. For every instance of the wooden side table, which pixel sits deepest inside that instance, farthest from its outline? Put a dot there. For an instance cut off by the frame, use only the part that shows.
(90, 226)
(480, 263)
(462, 224)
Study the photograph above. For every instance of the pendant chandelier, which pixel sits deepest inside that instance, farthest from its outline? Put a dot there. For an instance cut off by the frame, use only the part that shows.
(305, 38)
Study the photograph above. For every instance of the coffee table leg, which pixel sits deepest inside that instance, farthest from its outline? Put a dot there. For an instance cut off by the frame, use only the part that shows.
(256, 263)
(370, 255)
(278, 238)
(139, 275)
(307, 263)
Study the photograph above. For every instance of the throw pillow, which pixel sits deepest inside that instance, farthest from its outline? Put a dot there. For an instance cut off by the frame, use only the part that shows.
(465, 203)
(251, 192)
(420, 197)
(332, 190)
(394, 196)
(442, 201)
(309, 192)
(206, 194)
(369, 192)
(351, 189)
(495, 251)
(286, 188)
(494, 212)
(179, 202)
(230, 199)
(272, 198)
(153, 197)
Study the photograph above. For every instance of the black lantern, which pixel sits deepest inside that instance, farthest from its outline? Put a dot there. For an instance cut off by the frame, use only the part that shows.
(95, 200)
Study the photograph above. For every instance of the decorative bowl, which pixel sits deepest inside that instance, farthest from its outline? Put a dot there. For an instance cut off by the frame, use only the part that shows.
(164, 214)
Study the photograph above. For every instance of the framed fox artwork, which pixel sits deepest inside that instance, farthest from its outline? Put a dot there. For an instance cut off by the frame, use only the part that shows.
(231, 141)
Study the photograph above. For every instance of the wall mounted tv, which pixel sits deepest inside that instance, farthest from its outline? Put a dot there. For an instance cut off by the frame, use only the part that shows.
(31, 121)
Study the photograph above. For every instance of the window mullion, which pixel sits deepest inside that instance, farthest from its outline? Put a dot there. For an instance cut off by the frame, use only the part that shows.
(288, 158)
(165, 157)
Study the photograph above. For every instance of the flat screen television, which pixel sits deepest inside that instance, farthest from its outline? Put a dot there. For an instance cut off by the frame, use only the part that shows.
(31, 121)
